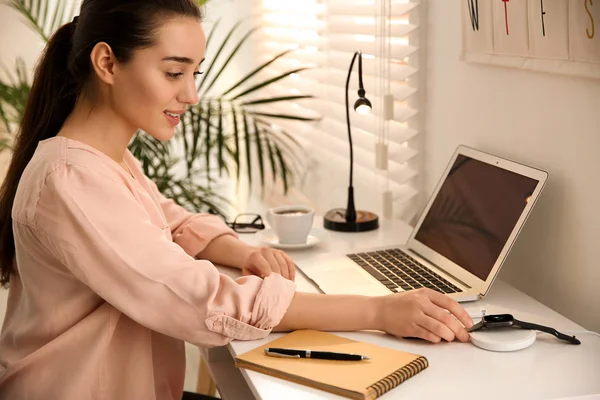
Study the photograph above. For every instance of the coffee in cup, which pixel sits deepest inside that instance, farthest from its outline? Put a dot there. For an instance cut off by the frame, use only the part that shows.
(293, 211)
(291, 224)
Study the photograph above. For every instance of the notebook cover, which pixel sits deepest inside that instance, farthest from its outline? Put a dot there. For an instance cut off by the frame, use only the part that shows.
(367, 379)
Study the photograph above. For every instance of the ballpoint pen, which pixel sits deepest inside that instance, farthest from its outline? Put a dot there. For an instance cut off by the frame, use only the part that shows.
(322, 355)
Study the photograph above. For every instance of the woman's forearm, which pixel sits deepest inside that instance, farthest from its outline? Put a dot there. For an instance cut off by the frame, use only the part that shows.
(226, 250)
(330, 313)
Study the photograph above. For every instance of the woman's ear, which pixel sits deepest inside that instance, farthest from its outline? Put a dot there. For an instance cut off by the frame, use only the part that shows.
(104, 62)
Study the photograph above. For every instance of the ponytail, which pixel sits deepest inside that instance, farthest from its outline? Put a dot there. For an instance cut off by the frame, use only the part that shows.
(51, 100)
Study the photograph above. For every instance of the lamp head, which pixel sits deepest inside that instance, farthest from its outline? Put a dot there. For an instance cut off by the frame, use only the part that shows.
(362, 106)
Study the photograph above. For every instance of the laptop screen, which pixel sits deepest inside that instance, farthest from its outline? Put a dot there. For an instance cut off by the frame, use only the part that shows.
(474, 213)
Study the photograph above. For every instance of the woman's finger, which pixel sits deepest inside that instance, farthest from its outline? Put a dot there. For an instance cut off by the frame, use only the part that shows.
(451, 305)
(291, 266)
(436, 327)
(270, 257)
(420, 332)
(261, 266)
(447, 319)
(283, 265)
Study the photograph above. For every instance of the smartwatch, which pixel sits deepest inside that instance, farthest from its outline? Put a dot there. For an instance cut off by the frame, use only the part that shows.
(507, 320)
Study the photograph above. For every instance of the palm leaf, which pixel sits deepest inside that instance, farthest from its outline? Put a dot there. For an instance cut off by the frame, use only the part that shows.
(207, 141)
(259, 154)
(236, 137)
(220, 140)
(187, 195)
(217, 55)
(212, 32)
(284, 171)
(202, 78)
(231, 56)
(152, 154)
(269, 82)
(271, 100)
(4, 118)
(197, 127)
(272, 160)
(29, 14)
(284, 116)
(13, 95)
(5, 144)
(294, 155)
(283, 131)
(182, 135)
(248, 148)
(43, 19)
(254, 72)
(59, 16)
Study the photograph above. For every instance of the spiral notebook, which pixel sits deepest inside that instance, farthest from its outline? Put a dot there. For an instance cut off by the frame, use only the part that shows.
(367, 379)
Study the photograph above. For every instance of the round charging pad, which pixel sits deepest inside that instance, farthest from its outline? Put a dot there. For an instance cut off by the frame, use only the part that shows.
(503, 339)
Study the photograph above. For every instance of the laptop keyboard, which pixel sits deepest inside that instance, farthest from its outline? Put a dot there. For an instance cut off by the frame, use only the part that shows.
(399, 272)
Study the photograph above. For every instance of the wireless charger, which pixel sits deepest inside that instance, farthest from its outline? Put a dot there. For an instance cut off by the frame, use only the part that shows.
(503, 339)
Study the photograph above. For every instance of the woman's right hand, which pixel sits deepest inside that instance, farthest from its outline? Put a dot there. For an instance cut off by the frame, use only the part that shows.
(423, 313)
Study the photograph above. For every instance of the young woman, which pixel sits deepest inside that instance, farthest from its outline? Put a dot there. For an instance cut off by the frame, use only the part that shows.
(108, 277)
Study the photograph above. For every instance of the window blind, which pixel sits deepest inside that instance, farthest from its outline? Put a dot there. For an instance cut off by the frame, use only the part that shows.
(324, 35)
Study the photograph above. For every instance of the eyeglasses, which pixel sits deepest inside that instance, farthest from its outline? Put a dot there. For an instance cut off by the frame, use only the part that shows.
(247, 223)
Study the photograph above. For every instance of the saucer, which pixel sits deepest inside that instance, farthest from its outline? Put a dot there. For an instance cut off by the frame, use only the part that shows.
(268, 237)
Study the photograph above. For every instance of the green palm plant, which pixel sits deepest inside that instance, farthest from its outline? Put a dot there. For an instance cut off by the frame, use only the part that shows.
(13, 97)
(226, 133)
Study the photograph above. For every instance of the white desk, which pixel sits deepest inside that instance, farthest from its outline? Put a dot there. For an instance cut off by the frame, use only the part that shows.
(548, 369)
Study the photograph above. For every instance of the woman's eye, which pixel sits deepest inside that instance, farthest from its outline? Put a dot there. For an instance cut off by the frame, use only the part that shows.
(198, 73)
(174, 74)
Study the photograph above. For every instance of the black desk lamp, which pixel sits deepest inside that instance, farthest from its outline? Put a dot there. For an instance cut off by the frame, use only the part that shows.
(349, 219)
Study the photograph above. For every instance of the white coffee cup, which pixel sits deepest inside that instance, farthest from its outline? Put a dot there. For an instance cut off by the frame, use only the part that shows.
(291, 224)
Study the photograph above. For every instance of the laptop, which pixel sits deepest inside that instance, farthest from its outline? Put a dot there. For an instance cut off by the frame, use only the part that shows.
(458, 244)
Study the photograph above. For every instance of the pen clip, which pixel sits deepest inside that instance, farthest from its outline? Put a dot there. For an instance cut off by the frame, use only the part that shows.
(274, 354)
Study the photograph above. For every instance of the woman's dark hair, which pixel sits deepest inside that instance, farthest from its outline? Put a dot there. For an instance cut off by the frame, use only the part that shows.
(62, 74)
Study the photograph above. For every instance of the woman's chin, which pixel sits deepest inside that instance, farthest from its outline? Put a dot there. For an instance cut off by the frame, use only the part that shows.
(161, 135)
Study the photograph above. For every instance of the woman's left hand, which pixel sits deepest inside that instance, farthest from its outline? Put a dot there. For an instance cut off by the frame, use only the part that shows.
(262, 261)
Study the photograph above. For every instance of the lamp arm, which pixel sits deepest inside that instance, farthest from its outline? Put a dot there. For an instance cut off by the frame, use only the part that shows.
(361, 88)
(350, 208)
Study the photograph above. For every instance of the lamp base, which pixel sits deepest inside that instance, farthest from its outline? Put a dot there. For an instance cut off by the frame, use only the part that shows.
(335, 220)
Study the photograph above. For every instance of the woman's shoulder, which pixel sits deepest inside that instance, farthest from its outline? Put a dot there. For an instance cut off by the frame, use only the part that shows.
(66, 162)
(61, 155)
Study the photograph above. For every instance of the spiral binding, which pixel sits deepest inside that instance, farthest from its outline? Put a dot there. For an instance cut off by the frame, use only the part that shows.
(397, 377)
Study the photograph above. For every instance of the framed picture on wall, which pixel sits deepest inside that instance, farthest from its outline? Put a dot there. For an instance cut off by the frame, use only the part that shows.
(558, 36)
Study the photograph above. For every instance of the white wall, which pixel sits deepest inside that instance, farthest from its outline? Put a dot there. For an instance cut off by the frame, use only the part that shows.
(551, 122)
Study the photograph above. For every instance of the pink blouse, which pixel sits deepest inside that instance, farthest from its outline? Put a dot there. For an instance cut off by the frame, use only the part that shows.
(108, 288)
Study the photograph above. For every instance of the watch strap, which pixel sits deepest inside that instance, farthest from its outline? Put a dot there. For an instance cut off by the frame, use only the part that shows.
(547, 329)
(476, 326)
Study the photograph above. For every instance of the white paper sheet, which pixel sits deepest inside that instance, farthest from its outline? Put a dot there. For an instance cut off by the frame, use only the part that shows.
(584, 30)
(478, 29)
(511, 33)
(549, 29)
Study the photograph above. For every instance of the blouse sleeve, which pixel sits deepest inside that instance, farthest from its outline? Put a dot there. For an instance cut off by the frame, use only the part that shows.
(97, 229)
(193, 232)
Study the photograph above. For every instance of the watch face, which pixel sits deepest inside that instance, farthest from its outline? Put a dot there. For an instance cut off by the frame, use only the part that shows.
(498, 320)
